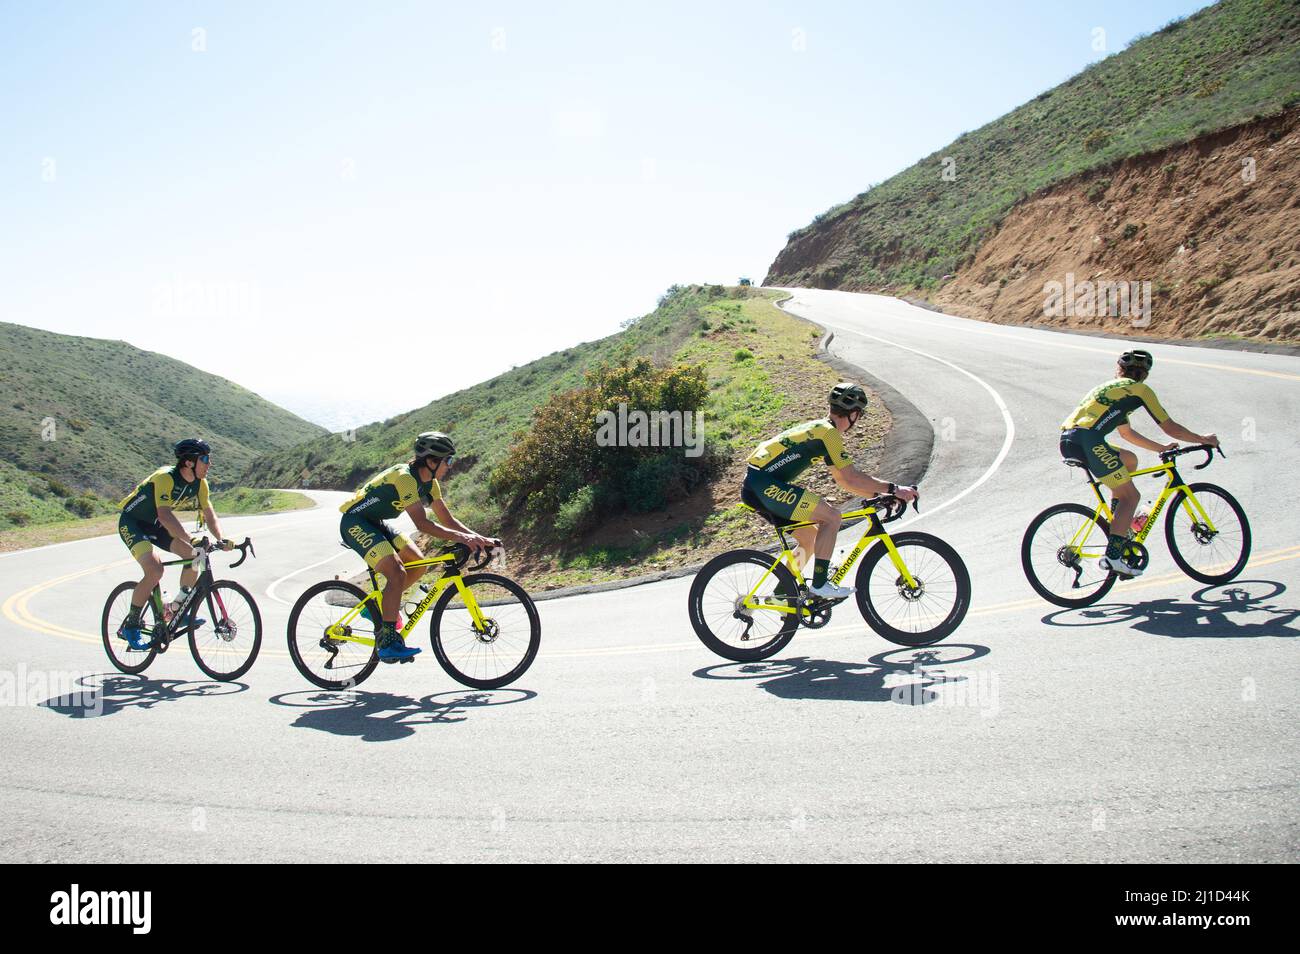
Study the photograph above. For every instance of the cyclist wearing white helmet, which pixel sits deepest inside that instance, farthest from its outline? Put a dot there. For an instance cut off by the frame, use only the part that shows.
(776, 462)
(403, 488)
(1083, 439)
(147, 521)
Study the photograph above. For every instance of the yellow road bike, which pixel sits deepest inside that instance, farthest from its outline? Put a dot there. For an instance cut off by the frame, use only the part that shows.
(1206, 529)
(913, 589)
(484, 628)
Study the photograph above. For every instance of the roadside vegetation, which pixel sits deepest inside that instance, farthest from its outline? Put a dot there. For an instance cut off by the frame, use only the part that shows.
(1225, 65)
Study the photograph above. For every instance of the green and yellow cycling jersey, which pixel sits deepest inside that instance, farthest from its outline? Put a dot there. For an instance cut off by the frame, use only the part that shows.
(390, 492)
(791, 452)
(163, 488)
(1108, 406)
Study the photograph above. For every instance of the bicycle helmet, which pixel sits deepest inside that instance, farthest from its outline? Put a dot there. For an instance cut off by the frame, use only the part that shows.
(1138, 360)
(191, 447)
(434, 444)
(847, 397)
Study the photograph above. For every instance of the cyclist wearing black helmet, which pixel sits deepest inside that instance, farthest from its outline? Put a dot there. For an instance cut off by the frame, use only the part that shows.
(147, 521)
(775, 463)
(1083, 439)
(403, 488)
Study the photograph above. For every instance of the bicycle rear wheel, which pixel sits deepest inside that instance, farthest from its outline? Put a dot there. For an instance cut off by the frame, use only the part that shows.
(496, 653)
(1210, 556)
(914, 615)
(226, 646)
(718, 614)
(1059, 554)
(325, 660)
(120, 654)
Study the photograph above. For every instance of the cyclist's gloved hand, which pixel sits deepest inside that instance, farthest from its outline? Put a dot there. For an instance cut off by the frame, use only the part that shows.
(906, 494)
(227, 545)
(1172, 446)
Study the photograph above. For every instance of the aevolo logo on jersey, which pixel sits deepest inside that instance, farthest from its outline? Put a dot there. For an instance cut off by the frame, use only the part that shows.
(781, 496)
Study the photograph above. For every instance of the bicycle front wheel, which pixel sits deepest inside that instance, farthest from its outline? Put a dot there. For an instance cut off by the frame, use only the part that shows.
(226, 645)
(1208, 555)
(324, 654)
(717, 605)
(120, 654)
(487, 636)
(1059, 554)
(920, 613)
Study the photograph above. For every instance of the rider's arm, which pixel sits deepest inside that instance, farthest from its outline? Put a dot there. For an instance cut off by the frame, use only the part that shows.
(458, 533)
(1127, 432)
(210, 519)
(855, 482)
(1180, 433)
(171, 523)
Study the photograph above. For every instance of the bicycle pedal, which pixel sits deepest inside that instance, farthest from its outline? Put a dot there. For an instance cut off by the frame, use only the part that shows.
(406, 659)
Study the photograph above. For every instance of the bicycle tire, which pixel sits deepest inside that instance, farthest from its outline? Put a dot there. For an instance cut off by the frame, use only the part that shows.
(700, 614)
(108, 631)
(355, 677)
(1175, 548)
(867, 602)
(214, 627)
(1026, 549)
(438, 636)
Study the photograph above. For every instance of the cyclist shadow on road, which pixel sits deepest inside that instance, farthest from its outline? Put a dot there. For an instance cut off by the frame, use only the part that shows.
(1238, 610)
(385, 716)
(103, 694)
(902, 676)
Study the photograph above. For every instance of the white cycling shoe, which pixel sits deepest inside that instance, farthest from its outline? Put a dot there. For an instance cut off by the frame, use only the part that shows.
(1118, 566)
(829, 591)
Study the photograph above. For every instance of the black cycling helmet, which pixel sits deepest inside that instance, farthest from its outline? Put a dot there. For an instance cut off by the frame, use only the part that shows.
(1139, 360)
(847, 397)
(434, 444)
(191, 447)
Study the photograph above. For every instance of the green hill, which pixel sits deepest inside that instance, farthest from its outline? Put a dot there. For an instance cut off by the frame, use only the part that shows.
(1215, 69)
(82, 419)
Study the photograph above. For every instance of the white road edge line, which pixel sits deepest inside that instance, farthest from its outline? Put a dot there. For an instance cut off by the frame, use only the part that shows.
(270, 590)
(1007, 422)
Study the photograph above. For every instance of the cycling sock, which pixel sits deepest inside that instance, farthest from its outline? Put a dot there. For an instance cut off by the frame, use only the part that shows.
(1115, 546)
(820, 569)
(133, 615)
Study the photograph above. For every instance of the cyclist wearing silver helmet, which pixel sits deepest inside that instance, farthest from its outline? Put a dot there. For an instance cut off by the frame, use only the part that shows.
(364, 527)
(1083, 439)
(777, 462)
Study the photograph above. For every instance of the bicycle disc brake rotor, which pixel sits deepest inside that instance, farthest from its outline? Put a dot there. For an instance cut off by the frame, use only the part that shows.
(1067, 556)
(227, 630)
(910, 593)
(489, 632)
(1203, 534)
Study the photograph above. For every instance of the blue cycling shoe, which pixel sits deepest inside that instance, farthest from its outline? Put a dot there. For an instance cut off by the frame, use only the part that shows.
(392, 648)
(134, 638)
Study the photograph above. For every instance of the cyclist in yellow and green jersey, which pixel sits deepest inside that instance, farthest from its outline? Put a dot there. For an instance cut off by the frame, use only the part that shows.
(147, 521)
(777, 462)
(1107, 408)
(403, 488)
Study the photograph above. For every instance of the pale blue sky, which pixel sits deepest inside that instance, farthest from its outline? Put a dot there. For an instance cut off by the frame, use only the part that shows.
(353, 208)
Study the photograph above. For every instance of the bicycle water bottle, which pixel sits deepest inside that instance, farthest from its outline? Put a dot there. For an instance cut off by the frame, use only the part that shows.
(1139, 521)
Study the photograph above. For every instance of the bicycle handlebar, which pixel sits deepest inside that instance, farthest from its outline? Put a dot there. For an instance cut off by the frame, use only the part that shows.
(463, 555)
(889, 507)
(1209, 449)
(245, 549)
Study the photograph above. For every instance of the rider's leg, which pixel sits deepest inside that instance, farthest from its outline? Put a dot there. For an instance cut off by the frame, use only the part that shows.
(394, 585)
(828, 522)
(153, 574)
(1124, 498)
(189, 575)
(804, 540)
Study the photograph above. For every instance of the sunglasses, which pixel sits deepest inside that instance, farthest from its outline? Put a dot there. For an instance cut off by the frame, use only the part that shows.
(203, 459)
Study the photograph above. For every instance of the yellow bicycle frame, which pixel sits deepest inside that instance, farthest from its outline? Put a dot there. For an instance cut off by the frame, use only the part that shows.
(875, 532)
(341, 630)
(1174, 484)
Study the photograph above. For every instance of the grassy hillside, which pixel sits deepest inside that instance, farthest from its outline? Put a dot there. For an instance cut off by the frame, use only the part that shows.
(82, 419)
(762, 376)
(1220, 67)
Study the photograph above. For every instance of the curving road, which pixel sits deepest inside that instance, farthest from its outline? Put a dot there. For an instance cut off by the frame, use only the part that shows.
(1158, 727)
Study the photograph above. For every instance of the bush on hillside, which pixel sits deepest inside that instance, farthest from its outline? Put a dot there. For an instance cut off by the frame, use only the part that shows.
(556, 471)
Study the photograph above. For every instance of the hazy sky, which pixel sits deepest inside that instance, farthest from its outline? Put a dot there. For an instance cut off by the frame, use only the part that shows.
(354, 208)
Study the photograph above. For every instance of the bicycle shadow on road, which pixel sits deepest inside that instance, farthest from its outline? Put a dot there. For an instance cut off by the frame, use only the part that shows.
(386, 716)
(104, 694)
(1241, 609)
(902, 676)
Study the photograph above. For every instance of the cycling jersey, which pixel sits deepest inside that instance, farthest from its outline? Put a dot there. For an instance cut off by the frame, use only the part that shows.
(791, 452)
(163, 488)
(1105, 408)
(390, 492)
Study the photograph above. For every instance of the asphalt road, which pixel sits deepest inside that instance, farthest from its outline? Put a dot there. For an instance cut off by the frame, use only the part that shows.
(1157, 727)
